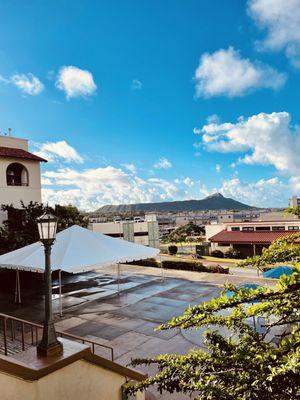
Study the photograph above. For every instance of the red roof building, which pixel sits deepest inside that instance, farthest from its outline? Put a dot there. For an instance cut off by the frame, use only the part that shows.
(248, 243)
(9, 152)
(255, 237)
(20, 174)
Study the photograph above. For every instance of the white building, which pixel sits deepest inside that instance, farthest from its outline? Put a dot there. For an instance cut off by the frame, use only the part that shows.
(139, 231)
(249, 237)
(294, 201)
(20, 177)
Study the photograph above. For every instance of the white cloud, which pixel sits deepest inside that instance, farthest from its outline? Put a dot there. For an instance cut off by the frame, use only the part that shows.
(75, 82)
(3, 79)
(281, 20)
(130, 167)
(163, 163)
(218, 168)
(188, 182)
(27, 83)
(226, 73)
(263, 193)
(212, 119)
(52, 151)
(91, 188)
(136, 84)
(266, 139)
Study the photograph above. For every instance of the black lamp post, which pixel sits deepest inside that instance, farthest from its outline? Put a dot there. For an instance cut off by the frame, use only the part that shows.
(47, 226)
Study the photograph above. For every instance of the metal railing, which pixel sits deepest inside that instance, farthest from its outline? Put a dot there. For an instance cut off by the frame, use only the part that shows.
(17, 335)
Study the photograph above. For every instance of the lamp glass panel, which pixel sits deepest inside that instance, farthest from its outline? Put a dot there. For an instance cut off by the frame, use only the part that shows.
(47, 226)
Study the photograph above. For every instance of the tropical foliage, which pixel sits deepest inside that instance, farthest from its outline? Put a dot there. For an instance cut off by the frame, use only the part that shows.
(20, 228)
(293, 211)
(184, 233)
(247, 365)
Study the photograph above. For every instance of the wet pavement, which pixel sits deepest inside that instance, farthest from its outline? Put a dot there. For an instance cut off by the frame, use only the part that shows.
(126, 321)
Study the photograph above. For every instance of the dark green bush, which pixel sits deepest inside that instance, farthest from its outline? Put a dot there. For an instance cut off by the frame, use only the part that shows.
(172, 250)
(184, 265)
(232, 253)
(217, 253)
(218, 269)
(149, 262)
(181, 265)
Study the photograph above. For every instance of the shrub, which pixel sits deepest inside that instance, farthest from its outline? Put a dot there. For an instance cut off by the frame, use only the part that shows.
(232, 253)
(218, 269)
(172, 250)
(149, 262)
(217, 253)
(184, 265)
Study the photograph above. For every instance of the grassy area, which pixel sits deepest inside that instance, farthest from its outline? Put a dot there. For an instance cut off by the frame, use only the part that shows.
(188, 257)
(229, 260)
(181, 244)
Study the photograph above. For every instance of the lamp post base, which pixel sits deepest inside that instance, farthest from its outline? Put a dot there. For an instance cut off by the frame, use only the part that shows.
(54, 349)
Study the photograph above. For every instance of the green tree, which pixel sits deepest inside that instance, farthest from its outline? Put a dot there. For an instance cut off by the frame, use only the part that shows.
(246, 365)
(68, 216)
(293, 211)
(250, 364)
(20, 228)
(180, 234)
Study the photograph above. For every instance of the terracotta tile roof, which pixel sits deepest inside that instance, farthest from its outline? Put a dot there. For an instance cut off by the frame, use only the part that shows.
(19, 153)
(254, 237)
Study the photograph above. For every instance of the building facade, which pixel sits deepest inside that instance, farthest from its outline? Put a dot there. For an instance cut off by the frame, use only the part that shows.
(294, 201)
(20, 177)
(249, 238)
(144, 232)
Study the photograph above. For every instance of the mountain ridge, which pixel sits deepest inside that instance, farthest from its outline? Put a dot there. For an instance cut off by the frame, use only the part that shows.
(215, 201)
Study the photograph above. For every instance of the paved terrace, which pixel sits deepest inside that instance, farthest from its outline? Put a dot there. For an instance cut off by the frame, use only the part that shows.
(93, 308)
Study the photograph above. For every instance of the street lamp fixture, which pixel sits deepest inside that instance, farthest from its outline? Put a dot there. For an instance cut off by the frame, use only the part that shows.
(49, 345)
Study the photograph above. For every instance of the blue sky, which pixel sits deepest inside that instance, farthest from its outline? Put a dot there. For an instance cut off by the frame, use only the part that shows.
(141, 100)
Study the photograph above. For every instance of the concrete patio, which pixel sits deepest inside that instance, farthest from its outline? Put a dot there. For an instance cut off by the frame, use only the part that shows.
(126, 321)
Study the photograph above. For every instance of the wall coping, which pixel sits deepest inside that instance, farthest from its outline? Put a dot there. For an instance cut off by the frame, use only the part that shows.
(29, 366)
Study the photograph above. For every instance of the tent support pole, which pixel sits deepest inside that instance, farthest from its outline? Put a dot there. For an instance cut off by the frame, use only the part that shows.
(161, 268)
(60, 295)
(17, 290)
(118, 278)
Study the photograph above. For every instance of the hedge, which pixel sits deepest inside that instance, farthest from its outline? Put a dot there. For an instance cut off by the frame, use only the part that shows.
(149, 262)
(193, 266)
(182, 265)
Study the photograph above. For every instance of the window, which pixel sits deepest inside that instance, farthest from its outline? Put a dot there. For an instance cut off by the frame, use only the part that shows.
(263, 228)
(16, 175)
(235, 228)
(278, 228)
(248, 228)
(293, 228)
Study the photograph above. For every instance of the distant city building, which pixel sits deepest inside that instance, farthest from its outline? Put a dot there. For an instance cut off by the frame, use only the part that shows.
(138, 230)
(20, 177)
(249, 238)
(294, 201)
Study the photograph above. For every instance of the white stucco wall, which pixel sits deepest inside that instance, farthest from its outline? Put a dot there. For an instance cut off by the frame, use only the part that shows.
(14, 194)
(111, 228)
(215, 246)
(213, 229)
(80, 380)
(13, 142)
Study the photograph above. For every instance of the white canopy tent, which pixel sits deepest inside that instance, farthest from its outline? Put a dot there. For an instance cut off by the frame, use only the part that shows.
(76, 249)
